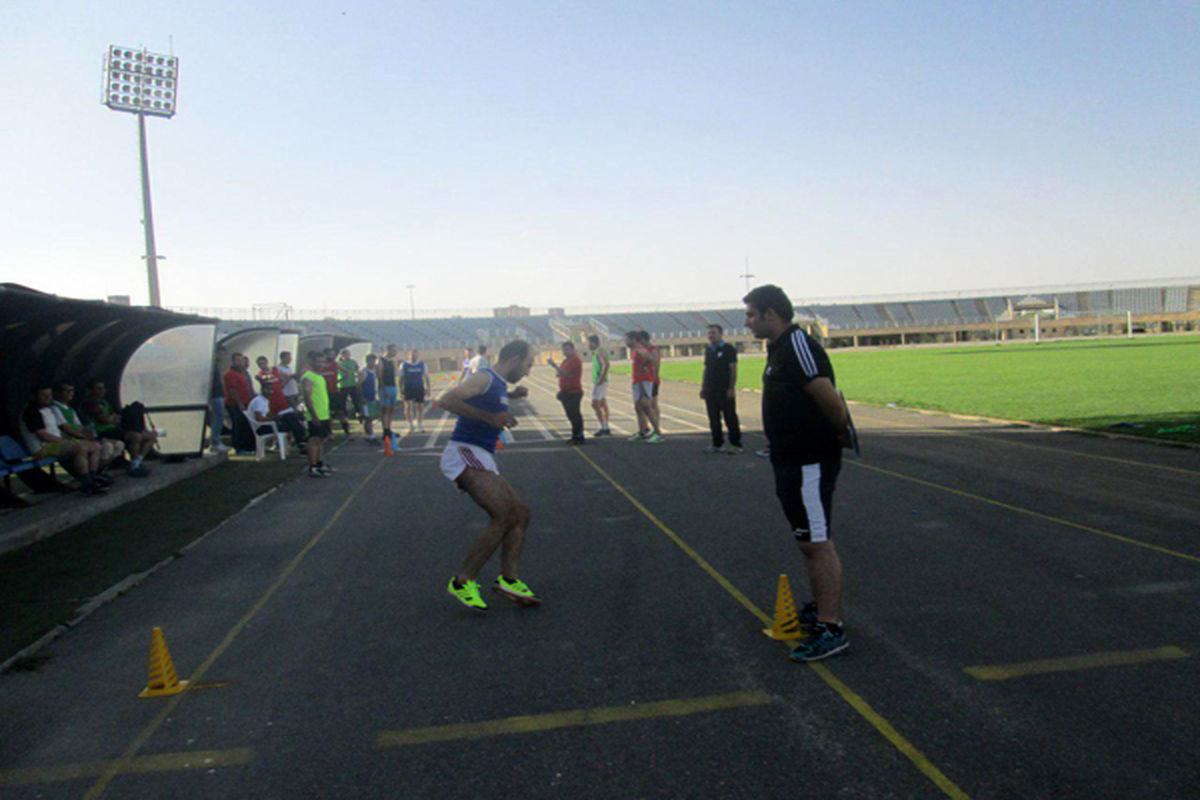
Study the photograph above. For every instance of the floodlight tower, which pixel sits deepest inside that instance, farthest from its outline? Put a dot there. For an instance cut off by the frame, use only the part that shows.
(142, 83)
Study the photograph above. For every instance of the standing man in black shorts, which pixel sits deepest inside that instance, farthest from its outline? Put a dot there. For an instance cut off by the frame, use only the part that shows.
(415, 377)
(806, 426)
(718, 390)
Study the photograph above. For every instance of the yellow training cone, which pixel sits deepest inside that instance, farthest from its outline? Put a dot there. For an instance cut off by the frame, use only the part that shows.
(787, 624)
(163, 679)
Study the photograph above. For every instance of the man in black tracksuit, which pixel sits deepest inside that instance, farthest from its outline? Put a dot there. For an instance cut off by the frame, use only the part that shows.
(718, 388)
(807, 426)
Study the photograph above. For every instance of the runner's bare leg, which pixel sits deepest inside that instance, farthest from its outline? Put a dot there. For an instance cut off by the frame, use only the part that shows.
(509, 516)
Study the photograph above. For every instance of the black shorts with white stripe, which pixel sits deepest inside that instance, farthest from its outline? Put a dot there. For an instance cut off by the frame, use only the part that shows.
(806, 493)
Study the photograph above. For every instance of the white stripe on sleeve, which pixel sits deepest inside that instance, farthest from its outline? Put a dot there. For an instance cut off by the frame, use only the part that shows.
(804, 354)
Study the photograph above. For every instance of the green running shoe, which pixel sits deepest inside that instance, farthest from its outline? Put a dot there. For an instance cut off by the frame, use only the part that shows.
(517, 591)
(467, 594)
(655, 438)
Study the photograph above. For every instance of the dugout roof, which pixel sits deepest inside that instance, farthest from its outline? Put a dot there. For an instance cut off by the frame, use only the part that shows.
(45, 338)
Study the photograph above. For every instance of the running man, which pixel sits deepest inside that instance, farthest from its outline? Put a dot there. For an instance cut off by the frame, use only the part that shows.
(600, 366)
(806, 426)
(481, 405)
(416, 388)
(316, 403)
(387, 388)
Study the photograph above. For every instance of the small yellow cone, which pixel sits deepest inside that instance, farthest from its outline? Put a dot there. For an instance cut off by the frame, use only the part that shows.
(787, 624)
(163, 678)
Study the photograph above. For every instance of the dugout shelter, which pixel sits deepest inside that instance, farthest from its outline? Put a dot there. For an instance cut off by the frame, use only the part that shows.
(159, 358)
(339, 342)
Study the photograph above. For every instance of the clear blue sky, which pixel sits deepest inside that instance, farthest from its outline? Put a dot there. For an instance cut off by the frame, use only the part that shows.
(601, 153)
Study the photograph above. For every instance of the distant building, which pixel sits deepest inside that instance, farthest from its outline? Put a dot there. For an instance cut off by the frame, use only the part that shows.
(511, 311)
(556, 312)
(119, 299)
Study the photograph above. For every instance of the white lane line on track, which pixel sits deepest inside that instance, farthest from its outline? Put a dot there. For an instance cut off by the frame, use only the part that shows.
(437, 431)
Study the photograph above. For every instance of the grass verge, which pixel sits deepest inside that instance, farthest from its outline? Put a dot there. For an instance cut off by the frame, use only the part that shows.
(1144, 387)
(42, 585)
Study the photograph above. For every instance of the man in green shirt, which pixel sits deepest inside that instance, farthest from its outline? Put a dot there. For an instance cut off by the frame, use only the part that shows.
(107, 424)
(316, 410)
(70, 424)
(600, 365)
(348, 386)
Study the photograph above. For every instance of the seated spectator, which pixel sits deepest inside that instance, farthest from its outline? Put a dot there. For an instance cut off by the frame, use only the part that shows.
(73, 428)
(238, 395)
(271, 386)
(44, 439)
(106, 423)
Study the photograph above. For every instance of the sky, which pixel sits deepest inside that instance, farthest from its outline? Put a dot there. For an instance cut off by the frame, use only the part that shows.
(598, 154)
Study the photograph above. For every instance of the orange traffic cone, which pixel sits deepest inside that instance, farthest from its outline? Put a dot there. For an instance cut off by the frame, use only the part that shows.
(786, 625)
(387, 443)
(163, 678)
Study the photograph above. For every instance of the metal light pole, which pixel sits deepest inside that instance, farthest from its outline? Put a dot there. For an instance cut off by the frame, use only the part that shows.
(412, 306)
(146, 84)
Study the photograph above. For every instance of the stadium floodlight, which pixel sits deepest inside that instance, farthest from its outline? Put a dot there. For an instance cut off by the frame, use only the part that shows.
(143, 83)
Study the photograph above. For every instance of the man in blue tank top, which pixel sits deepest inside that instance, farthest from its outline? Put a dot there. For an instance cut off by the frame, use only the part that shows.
(481, 404)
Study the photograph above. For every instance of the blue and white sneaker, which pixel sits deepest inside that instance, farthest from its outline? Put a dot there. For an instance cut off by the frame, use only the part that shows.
(827, 640)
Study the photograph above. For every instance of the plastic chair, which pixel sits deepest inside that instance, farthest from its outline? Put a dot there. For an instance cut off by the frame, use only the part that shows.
(261, 439)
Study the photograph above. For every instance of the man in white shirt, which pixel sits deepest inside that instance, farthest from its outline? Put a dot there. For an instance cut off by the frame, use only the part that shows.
(478, 362)
(44, 439)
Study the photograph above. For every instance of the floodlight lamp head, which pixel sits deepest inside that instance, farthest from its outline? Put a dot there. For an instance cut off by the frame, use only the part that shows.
(140, 82)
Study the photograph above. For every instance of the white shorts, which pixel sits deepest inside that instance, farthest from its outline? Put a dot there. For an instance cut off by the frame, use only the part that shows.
(460, 456)
(600, 391)
(643, 389)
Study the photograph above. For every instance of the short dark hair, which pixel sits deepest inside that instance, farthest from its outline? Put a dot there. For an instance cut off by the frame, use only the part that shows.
(283, 353)
(593, 340)
(770, 296)
(718, 327)
(643, 336)
(62, 386)
(483, 349)
(569, 343)
(372, 357)
(91, 383)
(517, 348)
(313, 355)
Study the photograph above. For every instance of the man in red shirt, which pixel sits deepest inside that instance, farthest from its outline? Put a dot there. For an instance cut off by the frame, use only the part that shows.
(645, 375)
(279, 406)
(570, 389)
(238, 395)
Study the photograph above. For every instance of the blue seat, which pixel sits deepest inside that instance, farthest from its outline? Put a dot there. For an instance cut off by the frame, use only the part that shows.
(17, 459)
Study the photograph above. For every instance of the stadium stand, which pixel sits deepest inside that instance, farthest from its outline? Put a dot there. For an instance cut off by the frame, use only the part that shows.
(887, 321)
(933, 312)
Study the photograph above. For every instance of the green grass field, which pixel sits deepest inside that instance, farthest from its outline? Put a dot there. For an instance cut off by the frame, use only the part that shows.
(1147, 386)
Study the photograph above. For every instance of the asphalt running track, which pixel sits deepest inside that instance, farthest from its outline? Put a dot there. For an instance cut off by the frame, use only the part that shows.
(1023, 607)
